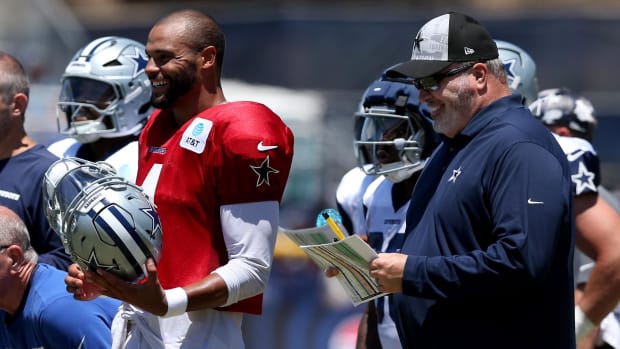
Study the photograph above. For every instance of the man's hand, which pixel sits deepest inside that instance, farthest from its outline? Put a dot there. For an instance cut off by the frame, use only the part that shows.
(388, 269)
(148, 295)
(82, 290)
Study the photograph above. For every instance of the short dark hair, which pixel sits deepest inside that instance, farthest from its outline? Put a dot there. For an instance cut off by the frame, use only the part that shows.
(201, 31)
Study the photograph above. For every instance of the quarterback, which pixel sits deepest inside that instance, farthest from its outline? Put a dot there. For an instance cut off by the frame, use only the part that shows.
(216, 171)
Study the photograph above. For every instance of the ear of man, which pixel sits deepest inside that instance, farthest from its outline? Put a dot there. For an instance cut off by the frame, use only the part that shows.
(15, 253)
(208, 56)
(19, 104)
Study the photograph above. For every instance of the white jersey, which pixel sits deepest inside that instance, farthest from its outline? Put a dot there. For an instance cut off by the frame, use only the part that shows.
(385, 223)
(124, 160)
(349, 196)
(586, 177)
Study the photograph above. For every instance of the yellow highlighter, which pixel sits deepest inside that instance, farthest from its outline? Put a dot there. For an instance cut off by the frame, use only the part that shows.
(332, 224)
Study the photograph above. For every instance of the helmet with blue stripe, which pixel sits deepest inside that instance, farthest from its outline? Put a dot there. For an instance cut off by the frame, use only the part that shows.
(105, 92)
(104, 222)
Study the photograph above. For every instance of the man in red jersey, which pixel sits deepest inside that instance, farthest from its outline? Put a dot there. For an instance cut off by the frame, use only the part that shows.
(216, 171)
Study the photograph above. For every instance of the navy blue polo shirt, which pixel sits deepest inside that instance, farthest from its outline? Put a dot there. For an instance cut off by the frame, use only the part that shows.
(490, 240)
(21, 183)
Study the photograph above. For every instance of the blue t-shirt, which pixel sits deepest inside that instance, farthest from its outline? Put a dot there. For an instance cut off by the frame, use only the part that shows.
(21, 180)
(490, 238)
(51, 318)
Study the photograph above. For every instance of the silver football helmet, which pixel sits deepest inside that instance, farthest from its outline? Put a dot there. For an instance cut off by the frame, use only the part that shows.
(103, 221)
(392, 133)
(105, 91)
(520, 70)
(561, 107)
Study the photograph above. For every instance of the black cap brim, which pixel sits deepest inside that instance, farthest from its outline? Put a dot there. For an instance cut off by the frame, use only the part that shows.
(418, 68)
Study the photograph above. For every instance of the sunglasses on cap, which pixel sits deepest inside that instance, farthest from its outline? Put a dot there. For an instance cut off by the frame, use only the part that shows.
(433, 82)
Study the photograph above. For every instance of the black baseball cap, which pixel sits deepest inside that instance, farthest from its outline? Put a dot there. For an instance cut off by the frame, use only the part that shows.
(449, 38)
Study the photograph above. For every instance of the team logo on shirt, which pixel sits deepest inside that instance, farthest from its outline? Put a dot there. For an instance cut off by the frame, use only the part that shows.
(455, 174)
(195, 136)
(583, 179)
(263, 172)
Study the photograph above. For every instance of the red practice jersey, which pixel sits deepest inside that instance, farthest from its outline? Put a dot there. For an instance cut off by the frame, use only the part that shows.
(232, 153)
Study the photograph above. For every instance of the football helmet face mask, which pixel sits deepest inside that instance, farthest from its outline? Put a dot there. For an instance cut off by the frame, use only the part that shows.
(561, 107)
(520, 70)
(105, 91)
(102, 220)
(392, 131)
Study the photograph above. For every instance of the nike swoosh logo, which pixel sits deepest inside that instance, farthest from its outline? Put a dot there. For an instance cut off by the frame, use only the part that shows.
(532, 202)
(574, 156)
(262, 147)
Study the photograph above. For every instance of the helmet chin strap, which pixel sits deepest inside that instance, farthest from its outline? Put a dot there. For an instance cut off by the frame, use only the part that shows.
(400, 175)
(86, 138)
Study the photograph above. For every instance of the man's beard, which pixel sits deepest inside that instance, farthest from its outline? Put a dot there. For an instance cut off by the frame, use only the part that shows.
(177, 87)
(451, 121)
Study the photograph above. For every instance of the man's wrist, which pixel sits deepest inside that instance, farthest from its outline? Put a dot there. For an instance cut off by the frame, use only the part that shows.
(177, 301)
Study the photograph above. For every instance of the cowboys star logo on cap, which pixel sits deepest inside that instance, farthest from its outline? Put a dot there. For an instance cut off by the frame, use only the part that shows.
(416, 43)
(432, 40)
(449, 38)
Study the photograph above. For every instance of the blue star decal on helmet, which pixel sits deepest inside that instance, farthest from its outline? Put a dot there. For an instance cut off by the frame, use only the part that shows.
(156, 228)
(509, 66)
(263, 172)
(94, 263)
(514, 80)
(140, 59)
(583, 179)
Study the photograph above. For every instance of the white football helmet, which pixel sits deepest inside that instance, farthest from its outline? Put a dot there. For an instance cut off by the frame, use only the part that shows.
(105, 91)
(103, 221)
(562, 107)
(520, 70)
(392, 132)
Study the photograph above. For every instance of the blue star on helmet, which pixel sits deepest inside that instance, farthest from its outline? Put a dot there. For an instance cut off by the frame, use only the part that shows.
(263, 172)
(509, 66)
(156, 225)
(140, 58)
(92, 261)
(583, 179)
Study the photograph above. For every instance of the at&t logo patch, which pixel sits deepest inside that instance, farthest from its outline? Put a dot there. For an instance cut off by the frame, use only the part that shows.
(195, 136)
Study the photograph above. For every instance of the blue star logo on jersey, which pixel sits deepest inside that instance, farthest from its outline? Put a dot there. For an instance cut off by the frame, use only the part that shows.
(263, 172)
(455, 174)
(583, 179)
(156, 227)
